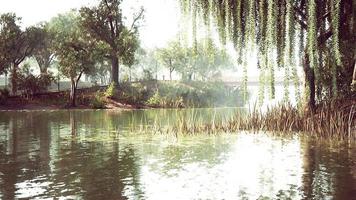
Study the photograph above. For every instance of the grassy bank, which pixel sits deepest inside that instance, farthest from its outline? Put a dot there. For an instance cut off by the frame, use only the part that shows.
(175, 94)
(148, 94)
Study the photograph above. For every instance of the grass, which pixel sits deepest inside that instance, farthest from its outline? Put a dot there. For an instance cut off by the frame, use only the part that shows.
(329, 121)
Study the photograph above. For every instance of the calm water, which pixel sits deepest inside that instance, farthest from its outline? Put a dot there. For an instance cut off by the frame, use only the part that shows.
(91, 155)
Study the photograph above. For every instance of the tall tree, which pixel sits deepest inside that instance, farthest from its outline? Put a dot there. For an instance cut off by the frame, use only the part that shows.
(74, 50)
(105, 23)
(17, 44)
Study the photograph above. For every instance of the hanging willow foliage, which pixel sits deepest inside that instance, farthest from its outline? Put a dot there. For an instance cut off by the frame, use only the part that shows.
(271, 44)
(239, 47)
(261, 42)
(272, 26)
(312, 33)
(288, 54)
(245, 78)
(261, 85)
(281, 31)
(251, 27)
(335, 22)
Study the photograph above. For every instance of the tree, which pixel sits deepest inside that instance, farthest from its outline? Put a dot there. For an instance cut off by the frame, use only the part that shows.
(16, 44)
(74, 50)
(205, 60)
(147, 63)
(105, 23)
(329, 26)
(172, 57)
(44, 53)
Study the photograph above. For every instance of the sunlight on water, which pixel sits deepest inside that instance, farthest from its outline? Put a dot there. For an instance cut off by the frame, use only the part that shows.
(253, 167)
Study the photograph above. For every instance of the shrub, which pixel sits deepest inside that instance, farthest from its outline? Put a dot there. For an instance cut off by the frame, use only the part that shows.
(30, 84)
(4, 95)
(154, 100)
(98, 101)
(111, 91)
(135, 93)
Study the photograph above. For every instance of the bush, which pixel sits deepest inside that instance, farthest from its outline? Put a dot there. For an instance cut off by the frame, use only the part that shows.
(98, 101)
(111, 91)
(4, 95)
(154, 100)
(30, 84)
(135, 93)
(197, 94)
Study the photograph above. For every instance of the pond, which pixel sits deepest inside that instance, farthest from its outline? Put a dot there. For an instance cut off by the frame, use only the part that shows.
(95, 155)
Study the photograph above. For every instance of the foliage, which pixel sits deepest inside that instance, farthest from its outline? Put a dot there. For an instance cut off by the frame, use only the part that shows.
(204, 59)
(4, 95)
(44, 51)
(146, 65)
(97, 101)
(105, 23)
(75, 51)
(134, 93)
(30, 84)
(154, 100)
(15, 44)
(111, 91)
(172, 57)
(195, 94)
(328, 25)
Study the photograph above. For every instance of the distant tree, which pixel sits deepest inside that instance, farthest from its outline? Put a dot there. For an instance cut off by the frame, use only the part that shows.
(105, 23)
(16, 44)
(207, 59)
(173, 56)
(147, 63)
(74, 50)
(204, 59)
(44, 52)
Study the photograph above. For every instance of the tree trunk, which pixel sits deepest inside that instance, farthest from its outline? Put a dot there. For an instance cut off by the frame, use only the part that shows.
(309, 83)
(115, 69)
(14, 79)
(130, 76)
(170, 74)
(353, 83)
(43, 70)
(72, 95)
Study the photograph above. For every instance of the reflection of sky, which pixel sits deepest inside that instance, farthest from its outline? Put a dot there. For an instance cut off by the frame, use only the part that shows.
(256, 166)
(44, 161)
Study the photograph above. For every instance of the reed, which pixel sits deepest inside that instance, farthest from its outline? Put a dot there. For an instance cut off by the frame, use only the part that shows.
(328, 121)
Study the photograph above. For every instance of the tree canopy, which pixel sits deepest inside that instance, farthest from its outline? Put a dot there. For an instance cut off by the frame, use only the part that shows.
(15, 44)
(75, 51)
(105, 23)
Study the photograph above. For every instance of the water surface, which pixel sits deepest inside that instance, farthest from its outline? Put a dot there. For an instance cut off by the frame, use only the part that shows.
(92, 155)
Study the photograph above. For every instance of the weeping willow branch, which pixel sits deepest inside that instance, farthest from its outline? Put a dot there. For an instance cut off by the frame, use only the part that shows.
(271, 44)
(272, 26)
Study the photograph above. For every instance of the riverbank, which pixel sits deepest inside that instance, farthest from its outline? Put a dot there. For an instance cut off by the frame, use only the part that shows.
(58, 101)
(135, 95)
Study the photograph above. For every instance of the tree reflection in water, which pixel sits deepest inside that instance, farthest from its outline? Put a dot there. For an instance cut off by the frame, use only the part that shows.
(86, 154)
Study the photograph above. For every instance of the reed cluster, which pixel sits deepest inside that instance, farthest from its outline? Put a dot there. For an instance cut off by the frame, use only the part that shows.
(328, 121)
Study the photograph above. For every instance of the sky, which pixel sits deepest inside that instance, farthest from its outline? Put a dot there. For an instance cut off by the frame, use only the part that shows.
(160, 24)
